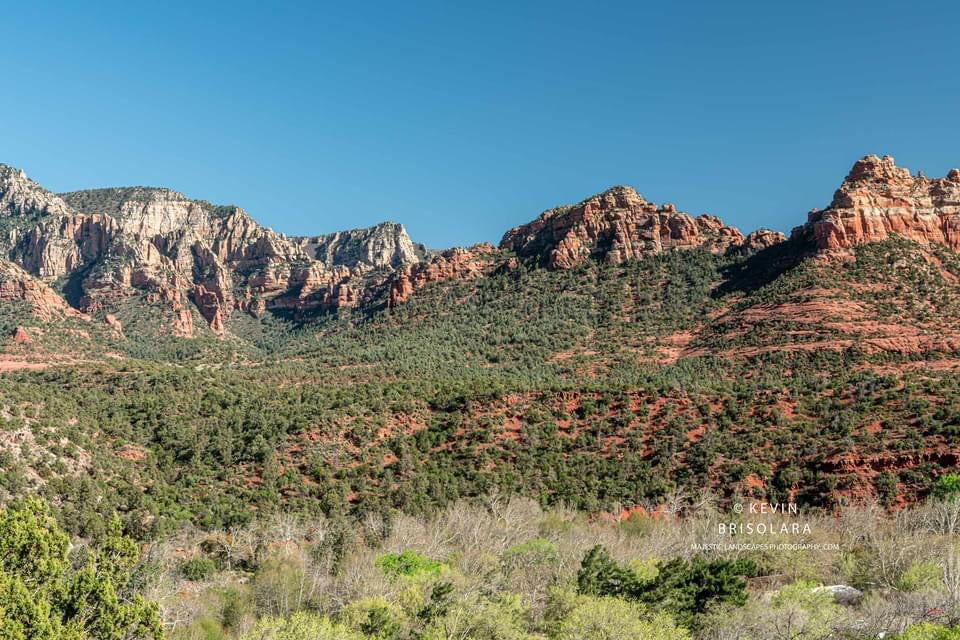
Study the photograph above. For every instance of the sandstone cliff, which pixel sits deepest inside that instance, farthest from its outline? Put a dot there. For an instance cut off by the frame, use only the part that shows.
(16, 285)
(454, 264)
(104, 245)
(384, 245)
(615, 226)
(878, 199)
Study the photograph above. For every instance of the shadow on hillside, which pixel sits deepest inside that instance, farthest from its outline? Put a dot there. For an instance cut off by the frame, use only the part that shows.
(73, 288)
(763, 267)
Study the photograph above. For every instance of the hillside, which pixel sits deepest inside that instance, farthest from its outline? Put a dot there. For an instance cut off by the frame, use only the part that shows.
(610, 352)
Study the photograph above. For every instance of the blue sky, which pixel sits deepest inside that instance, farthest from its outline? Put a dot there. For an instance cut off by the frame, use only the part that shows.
(462, 121)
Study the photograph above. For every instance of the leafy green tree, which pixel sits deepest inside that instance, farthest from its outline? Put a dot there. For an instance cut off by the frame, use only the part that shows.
(947, 486)
(408, 564)
(683, 588)
(375, 618)
(600, 575)
(500, 618)
(688, 589)
(42, 596)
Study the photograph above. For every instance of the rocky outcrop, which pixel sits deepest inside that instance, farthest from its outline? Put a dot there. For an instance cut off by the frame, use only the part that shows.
(58, 246)
(384, 245)
(211, 305)
(761, 239)
(879, 199)
(615, 226)
(16, 285)
(113, 323)
(105, 245)
(143, 211)
(22, 199)
(454, 264)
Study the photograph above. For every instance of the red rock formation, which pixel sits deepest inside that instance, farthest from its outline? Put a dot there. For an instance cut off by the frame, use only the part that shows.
(21, 336)
(400, 289)
(121, 243)
(18, 285)
(879, 199)
(210, 305)
(182, 319)
(761, 239)
(615, 226)
(113, 323)
(453, 264)
(338, 296)
(183, 322)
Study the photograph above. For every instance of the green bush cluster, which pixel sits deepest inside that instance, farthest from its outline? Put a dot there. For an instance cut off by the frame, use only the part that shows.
(47, 595)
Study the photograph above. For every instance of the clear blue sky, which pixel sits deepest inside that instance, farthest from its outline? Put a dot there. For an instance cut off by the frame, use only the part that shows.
(460, 121)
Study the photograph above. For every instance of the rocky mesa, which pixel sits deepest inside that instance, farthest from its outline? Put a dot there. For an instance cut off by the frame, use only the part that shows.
(878, 199)
(100, 247)
(619, 225)
(93, 251)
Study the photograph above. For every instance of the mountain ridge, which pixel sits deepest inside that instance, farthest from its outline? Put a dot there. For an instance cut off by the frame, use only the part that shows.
(99, 247)
(652, 360)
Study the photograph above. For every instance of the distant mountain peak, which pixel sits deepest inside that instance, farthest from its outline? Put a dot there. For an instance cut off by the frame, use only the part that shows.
(879, 199)
(22, 197)
(103, 246)
(613, 226)
(386, 244)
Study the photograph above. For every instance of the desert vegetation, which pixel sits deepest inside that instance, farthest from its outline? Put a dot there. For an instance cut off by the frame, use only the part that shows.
(492, 569)
(564, 387)
(332, 478)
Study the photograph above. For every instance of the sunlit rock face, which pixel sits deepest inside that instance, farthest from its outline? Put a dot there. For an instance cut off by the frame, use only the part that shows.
(878, 199)
(112, 244)
(615, 226)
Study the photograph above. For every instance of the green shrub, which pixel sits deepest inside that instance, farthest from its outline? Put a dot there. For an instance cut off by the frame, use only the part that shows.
(300, 626)
(233, 608)
(929, 631)
(919, 576)
(374, 617)
(536, 551)
(614, 619)
(197, 568)
(500, 618)
(947, 486)
(685, 589)
(408, 564)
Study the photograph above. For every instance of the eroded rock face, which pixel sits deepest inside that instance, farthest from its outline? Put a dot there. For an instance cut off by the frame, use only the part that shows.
(142, 211)
(16, 285)
(878, 199)
(453, 264)
(109, 244)
(22, 198)
(615, 226)
(384, 245)
(762, 239)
